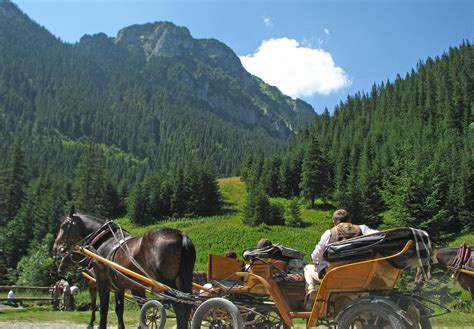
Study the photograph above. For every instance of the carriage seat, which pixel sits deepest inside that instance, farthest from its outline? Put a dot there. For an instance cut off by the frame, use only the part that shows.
(384, 243)
(221, 271)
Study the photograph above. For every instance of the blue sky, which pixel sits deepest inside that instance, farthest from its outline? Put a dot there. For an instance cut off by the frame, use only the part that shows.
(320, 51)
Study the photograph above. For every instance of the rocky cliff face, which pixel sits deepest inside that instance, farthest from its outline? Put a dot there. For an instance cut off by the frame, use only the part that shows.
(213, 74)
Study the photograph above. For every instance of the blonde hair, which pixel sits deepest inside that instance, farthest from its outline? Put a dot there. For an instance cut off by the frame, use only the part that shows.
(341, 216)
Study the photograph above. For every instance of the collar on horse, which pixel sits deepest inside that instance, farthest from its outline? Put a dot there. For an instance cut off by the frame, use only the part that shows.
(462, 258)
(93, 239)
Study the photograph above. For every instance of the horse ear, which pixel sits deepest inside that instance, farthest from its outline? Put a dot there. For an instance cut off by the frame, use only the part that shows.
(72, 211)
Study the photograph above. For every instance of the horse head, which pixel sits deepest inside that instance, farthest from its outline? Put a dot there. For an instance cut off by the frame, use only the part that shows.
(71, 231)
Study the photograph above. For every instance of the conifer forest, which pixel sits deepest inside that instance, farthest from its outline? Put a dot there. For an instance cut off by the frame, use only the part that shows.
(121, 132)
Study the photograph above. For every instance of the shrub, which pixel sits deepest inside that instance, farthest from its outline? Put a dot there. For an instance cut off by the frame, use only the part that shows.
(293, 215)
(276, 215)
(257, 208)
(35, 269)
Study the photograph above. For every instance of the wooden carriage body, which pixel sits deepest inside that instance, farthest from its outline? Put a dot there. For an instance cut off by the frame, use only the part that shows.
(344, 282)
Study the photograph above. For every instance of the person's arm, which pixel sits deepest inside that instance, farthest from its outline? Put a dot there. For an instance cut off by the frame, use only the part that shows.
(367, 230)
(318, 251)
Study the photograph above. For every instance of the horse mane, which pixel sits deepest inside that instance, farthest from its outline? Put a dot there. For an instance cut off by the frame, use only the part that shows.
(101, 220)
(97, 218)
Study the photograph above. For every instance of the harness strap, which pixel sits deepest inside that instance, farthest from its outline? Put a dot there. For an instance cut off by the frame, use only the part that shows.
(99, 236)
(462, 258)
(111, 256)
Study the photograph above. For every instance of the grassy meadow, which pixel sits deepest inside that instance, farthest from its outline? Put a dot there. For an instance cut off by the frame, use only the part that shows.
(217, 234)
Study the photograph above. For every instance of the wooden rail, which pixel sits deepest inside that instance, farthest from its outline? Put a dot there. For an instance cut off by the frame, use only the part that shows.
(25, 288)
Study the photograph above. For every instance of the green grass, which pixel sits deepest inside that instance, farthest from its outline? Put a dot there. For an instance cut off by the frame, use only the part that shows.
(45, 314)
(467, 238)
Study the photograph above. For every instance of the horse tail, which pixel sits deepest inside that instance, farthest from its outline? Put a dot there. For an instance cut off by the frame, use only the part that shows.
(188, 258)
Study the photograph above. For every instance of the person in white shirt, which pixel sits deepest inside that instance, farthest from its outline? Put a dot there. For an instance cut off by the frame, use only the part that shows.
(343, 229)
(11, 295)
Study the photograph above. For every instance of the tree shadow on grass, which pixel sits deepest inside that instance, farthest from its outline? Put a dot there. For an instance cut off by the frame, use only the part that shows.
(323, 206)
(228, 208)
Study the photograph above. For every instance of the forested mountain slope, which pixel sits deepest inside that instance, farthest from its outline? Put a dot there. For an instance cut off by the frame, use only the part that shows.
(152, 96)
(401, 155)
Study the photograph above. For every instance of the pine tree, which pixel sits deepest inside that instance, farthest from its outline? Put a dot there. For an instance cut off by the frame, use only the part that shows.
(293, 214)
(207, 193)
(14, 184)
(256, 169)
(315, 172)
(90, 183)
(271, 175)
(290, 173)
(257, 207)
(181, 194)
(276, 214)
(137, 206)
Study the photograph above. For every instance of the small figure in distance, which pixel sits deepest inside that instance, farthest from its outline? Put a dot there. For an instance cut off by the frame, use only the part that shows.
(11, 299)
(11, 295)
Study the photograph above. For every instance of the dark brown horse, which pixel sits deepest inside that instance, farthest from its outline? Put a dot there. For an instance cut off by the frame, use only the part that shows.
(446, 257)
(166, 255)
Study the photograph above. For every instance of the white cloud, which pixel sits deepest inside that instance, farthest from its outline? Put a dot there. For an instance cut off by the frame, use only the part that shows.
(326, 31)
(268, 21)
(296, 70)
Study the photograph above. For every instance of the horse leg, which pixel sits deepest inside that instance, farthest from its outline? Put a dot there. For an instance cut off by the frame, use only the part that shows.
(182, 311)
(93, 295)
(104, 294)
(119, 306)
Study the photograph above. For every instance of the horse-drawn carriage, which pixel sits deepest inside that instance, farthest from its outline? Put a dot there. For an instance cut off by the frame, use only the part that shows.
(357, 289)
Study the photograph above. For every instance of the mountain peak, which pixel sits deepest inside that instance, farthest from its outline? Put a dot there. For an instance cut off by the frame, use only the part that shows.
(156, 39)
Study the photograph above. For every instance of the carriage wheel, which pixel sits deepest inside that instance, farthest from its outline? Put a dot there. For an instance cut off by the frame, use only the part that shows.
(370, 316)
(152, 315)
(217, 313)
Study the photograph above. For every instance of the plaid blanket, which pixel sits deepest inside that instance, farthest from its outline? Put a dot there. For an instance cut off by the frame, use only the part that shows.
(424, 252)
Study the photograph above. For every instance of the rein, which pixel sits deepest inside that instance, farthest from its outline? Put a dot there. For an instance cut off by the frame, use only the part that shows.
(70, 254)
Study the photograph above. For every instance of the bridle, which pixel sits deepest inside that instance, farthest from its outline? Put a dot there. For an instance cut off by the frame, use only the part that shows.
(92, 241)
(69, 222)
(84, 261)
(89, 240)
